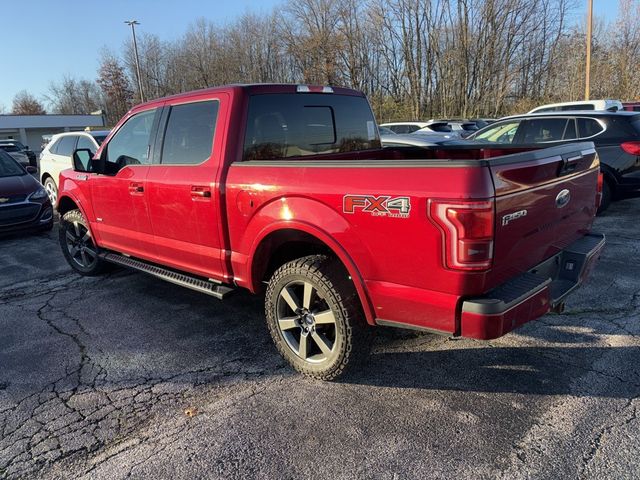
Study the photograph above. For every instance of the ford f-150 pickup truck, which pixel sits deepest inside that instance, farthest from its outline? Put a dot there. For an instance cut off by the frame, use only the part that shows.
(285, 189)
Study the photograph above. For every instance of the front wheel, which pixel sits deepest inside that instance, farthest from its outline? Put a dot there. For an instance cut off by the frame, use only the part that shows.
(77, 245)
(315, 318)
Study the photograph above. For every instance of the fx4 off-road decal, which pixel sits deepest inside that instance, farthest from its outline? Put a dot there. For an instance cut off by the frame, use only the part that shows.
(378, 206)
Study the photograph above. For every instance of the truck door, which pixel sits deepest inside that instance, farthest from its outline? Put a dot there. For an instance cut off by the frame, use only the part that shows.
(119, 194)
(182, 184)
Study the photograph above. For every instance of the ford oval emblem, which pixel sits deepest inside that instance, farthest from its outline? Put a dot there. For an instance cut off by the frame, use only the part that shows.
(563, 198)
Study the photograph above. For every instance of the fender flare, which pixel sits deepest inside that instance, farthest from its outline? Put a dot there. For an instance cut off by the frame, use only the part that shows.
(78, 204)
(338, 250)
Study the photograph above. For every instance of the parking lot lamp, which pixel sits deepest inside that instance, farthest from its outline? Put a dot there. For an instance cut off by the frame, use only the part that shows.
(132, 24)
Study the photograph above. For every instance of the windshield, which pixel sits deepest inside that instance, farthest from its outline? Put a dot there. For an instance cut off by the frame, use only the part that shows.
(99, 138)
(9, 167)
(9, 148)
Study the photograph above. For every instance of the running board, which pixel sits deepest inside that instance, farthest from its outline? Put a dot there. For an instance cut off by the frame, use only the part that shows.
(182, 279)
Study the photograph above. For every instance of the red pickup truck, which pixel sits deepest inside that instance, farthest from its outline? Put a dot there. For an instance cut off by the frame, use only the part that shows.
(287, 188)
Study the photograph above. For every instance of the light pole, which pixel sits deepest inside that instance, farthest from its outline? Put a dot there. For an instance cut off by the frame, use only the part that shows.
(132, 24)
(587, 83)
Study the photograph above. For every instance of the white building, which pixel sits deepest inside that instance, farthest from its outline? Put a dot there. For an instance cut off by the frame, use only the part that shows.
(30, 129)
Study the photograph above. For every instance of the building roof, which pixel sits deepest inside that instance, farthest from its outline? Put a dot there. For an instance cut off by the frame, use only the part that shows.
(51, 121)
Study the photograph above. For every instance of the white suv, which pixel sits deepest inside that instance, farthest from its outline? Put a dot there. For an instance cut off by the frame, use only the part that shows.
(57, 156)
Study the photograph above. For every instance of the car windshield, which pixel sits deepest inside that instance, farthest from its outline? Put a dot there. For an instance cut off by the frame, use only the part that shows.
(9, 148)
(9, 167)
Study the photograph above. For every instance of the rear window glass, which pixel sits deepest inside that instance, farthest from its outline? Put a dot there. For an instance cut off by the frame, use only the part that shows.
(588, 127)
(584, 106)
(285, 125)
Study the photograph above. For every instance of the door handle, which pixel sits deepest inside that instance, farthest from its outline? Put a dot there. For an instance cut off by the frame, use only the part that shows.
(200, 192)
(135, 188)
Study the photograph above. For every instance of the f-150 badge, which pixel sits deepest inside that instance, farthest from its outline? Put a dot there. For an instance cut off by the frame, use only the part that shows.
(513, 216)
(378, 206)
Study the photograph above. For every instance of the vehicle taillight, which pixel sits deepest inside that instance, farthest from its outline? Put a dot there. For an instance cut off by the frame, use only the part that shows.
(468, 231)
(632, 148)
(313, 89)
(599, 190)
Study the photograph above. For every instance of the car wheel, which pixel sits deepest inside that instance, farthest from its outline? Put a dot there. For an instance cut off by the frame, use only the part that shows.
(315, 318)
(52, 190)
(77, 245)
(607, 194)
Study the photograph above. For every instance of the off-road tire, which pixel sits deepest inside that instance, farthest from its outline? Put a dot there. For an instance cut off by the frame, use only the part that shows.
(333, 288)
(67, 224)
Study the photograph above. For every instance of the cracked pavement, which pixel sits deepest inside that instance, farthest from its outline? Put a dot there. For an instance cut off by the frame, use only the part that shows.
(96, 375)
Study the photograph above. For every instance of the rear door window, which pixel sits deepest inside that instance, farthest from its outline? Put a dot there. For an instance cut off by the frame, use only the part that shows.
(189, 133)
(66, 145)
(541, 130)
(285, 125)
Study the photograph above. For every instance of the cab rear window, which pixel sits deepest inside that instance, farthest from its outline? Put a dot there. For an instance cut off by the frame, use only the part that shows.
(285, 126)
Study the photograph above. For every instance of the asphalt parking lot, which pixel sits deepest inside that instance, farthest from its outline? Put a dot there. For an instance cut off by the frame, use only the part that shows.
(126, 376)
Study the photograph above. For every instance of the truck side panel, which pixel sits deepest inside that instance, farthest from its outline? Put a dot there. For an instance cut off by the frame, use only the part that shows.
(377, 214)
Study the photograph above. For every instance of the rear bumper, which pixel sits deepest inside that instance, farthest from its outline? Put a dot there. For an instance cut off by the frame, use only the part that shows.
(531, 294)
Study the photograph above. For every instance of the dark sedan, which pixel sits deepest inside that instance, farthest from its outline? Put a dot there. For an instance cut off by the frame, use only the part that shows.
(24, 203)
(616, 136)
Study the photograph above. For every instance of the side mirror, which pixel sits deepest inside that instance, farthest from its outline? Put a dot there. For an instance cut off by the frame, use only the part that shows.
(26, 147)
(31, 170)
(82, 160)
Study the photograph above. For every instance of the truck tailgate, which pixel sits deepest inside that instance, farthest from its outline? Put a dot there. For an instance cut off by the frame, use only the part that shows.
(545, 200)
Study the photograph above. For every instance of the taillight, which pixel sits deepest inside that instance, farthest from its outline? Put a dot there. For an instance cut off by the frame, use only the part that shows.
(599, 190)
(632, 148)
(468, 230)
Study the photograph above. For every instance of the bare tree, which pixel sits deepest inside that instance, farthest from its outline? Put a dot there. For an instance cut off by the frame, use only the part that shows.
(26, 104)
(115, 86)
(74, 97)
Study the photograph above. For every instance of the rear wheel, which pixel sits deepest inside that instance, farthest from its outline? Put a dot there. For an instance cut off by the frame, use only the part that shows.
(607, 195)
(78, 246)
(52, 190)
(314, 317)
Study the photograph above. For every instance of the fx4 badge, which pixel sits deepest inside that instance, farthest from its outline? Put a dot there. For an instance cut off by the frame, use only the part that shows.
(380, 206)
(513, 216)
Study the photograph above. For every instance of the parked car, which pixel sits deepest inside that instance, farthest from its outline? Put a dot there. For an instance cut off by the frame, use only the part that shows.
(285, 185)
(404, 127)
(609, 105)
(410, 139)
(31, 155)
(631, 106)
(385, 131)
(56, 156)
(16, 153)
(24, 204)
(616, 136)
